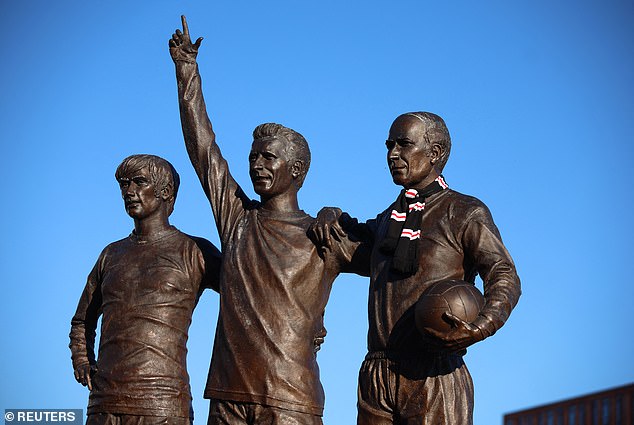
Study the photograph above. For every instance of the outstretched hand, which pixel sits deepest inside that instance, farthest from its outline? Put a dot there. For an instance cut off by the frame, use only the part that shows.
(181, 46)
(461, 335)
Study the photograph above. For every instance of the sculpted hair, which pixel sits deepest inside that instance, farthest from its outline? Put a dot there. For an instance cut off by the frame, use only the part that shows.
(297, 146)
(162, 173)
(436, 132)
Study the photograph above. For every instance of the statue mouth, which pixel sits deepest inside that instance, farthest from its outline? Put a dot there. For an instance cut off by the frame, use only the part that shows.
(260, 179)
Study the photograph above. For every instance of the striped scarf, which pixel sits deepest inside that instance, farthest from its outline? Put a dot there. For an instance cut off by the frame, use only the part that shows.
(403, 234)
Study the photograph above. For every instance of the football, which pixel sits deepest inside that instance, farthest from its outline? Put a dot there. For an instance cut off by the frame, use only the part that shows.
(460, 298)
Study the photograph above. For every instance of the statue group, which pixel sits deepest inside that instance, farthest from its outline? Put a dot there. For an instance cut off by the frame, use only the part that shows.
(274, 277)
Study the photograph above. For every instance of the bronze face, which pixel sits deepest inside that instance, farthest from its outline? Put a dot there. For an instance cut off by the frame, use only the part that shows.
(140, 195)
(409, 156)
(269, 168)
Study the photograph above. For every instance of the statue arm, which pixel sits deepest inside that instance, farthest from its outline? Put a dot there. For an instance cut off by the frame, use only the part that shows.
(83, 330)
(483, 247)
(210, 262)
(360, 236)
(334, 230)
(223, 192)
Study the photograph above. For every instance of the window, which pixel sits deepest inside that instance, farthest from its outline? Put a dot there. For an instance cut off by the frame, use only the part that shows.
(572, 415)
(582, 415)
(605, 411)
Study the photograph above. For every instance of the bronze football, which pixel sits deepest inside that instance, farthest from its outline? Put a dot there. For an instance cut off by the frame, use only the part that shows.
(460, 298)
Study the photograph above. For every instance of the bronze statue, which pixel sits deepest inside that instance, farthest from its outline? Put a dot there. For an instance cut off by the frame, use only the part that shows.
(429, 234)
(275, 282)
(145, 288)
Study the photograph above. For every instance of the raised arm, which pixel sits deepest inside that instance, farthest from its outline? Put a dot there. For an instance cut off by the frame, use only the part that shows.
(223, 192)
(83, 331)
(197, 129)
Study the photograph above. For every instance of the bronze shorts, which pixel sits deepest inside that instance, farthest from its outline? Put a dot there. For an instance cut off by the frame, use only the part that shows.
(430, 390)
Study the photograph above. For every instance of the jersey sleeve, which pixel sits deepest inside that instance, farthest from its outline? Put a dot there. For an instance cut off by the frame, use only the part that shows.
(225, 195)
(483, 246)
(355, 248)
(84, 322)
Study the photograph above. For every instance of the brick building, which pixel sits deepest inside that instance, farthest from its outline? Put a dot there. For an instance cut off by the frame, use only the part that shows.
(614, 406)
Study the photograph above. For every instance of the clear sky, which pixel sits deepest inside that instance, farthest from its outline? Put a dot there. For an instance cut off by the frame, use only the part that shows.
(538, 97)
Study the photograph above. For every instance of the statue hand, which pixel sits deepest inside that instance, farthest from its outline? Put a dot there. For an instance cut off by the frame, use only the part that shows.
(461, 335)
(83, 375)
(181, 47)
(326, 225)
(319, 339)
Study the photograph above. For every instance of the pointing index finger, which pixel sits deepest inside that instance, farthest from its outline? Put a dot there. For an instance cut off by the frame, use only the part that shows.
(185, 27)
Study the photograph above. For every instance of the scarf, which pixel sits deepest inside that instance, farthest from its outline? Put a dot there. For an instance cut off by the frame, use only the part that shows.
(403, 234)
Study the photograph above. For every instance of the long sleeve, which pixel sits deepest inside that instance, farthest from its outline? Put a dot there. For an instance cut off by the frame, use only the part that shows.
(226, 197)
(357, 246)
(84, 322)
(483, 246)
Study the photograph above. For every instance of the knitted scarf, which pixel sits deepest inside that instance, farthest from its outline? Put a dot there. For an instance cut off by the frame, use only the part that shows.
(403, 235)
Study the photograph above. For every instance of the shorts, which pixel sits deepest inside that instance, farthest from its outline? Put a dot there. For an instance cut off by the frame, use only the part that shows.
(123, 419)
(431, 390)
(222, 412)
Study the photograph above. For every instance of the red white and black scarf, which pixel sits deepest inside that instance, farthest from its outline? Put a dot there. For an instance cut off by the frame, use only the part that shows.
(403, 235)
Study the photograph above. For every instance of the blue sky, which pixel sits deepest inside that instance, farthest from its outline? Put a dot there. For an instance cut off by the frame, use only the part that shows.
(538, 97)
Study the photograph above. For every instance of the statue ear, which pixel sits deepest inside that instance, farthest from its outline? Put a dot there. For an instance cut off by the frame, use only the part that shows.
(297, 169)
(435, 153)
(166, 193)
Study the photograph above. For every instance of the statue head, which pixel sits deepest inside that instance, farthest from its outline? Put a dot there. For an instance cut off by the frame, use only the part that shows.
(418, 148)
(279, 159)
(152, 173)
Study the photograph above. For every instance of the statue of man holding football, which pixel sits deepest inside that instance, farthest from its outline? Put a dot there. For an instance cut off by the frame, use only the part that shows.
(430, 234)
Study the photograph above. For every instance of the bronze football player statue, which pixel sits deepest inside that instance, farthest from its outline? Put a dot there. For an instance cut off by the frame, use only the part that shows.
(275, 281)
(145, 288)
(430, 234)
